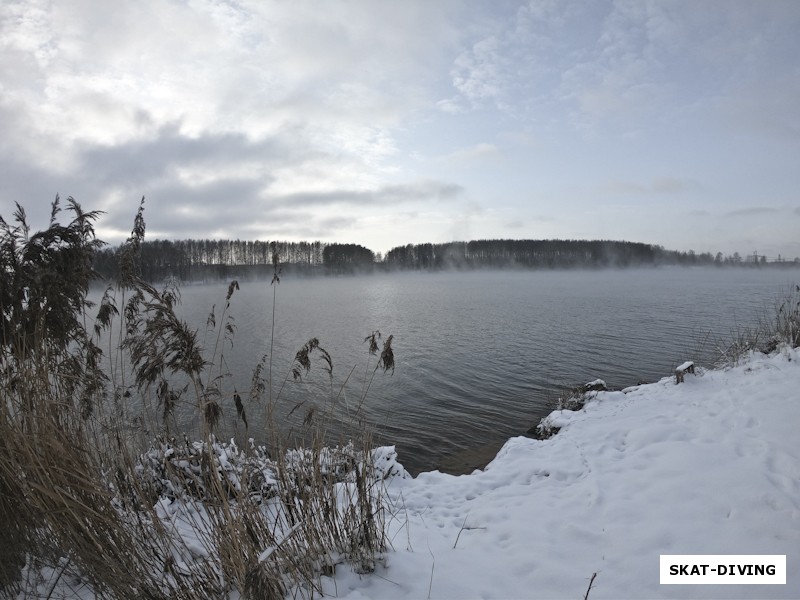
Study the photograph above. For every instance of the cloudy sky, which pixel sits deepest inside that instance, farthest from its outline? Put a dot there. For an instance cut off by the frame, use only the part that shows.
(389, 122)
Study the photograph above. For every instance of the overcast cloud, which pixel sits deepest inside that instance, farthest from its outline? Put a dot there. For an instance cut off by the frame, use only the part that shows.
(385, 123)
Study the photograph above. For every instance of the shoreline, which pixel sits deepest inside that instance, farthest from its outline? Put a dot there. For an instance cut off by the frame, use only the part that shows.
(478, 457)
(467, 461)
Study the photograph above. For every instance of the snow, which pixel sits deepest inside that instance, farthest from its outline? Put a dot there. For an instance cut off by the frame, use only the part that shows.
(711, 467)
(684, 366)
(708, 467)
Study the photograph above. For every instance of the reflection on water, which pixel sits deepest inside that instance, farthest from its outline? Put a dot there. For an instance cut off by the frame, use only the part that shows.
(481, 356)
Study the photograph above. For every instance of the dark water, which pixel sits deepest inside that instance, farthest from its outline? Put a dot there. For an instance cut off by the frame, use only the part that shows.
(482, 356)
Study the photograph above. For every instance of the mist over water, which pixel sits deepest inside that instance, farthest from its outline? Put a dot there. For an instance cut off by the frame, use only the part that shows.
(482, 356)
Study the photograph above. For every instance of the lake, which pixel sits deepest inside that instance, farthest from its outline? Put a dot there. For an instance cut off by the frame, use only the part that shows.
(480, 356)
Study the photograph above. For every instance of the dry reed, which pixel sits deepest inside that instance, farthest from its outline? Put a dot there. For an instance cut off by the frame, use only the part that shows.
(190, 516)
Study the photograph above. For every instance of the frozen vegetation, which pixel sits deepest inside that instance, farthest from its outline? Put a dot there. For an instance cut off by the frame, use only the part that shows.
(710, 466)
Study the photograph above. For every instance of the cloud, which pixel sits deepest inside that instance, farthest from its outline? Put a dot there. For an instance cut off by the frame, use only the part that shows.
(451, 106)
(507, 55)
(231, 118)
(337, 80)
(629, 65)
(624, 187)
(471, 153)
(551, 54)
(388, 195)
(232, 208)
(183, 178)
(477, 72)
(214, 185)
(659, 185)
(673, 185)
(169, 153)
(754, 211)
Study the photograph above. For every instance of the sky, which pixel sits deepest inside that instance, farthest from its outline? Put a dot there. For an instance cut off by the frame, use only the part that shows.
(385, 123)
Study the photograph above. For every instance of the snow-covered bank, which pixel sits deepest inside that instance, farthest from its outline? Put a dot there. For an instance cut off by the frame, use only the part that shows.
(711, 466)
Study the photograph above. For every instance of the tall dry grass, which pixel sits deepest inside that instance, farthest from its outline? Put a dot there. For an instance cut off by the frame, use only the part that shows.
(778, 324)
(84, 506)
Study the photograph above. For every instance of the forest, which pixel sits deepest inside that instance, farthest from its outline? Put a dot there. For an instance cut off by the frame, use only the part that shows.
(549, 254)
(207, 260)
(204, 260)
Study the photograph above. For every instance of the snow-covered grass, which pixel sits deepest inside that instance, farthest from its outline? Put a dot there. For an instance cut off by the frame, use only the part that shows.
(710, 466)
(200, 522)
(778, 324)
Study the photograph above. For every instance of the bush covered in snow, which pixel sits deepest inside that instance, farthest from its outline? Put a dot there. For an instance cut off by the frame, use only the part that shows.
(174, 470)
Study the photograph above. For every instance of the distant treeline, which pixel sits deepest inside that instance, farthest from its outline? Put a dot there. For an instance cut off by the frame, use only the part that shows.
(198, 260)
(195, 260)
(551, 254)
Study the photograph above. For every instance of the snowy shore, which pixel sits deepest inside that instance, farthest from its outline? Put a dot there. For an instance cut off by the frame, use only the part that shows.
(710, 466)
